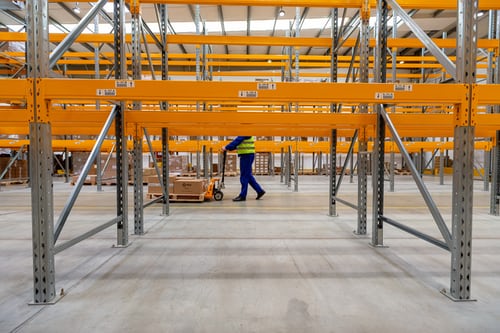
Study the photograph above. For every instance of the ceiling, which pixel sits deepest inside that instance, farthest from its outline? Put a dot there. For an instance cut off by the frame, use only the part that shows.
(253, 21)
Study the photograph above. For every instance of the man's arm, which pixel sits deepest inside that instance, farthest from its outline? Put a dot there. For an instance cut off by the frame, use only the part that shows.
(236, 142)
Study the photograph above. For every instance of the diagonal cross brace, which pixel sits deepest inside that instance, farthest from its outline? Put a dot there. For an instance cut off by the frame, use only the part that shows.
(426, 40)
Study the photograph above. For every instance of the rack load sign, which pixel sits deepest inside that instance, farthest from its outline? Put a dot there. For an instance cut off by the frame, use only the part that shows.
(106, 92)
(384, 95)
(248, 94)
(124, 84)
(403, 87)
(266, 86)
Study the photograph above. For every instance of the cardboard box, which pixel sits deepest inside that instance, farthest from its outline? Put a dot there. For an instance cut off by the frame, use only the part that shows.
(190, 186)
(148, 172)
(156, 180)
(154, 189)
(18, 169)
(177, 163)
(231, 163)
(152, 180)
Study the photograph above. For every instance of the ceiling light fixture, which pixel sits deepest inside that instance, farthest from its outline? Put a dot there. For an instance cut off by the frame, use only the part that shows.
(281, 13)
(76, 9)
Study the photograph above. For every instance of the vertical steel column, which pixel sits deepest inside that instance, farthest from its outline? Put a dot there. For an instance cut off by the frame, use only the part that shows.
(40, 152)
(165, 170)
(441, 167)
(282, 163)
(138, 184)
(296, 172)
(136, 47)
(495, 178)
(496, 108)
(98, 172)
(490, 73)
(393, 109)
(486, 170)
(66, 165)
(137, 105)
(463, 153)
(289, 166)
(97, 67)
(379, 146)
(333, 173)
(363, 143)
(164, 106)
(163, 22)
(334, 56)
(333, 108)
(204, 157)
(198, 162)
(97, 102)
(121, 142)
(197, 61)
(495, 152)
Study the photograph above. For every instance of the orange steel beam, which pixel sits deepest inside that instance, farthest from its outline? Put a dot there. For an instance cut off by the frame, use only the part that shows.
(191, 56)
(409, 4)
(249, 40)
(260, 145)
(488, 94)
(13, 88)
(258, 123)
(244, 92)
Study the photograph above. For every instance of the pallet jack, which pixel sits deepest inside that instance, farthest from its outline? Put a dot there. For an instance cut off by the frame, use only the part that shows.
(216, 184)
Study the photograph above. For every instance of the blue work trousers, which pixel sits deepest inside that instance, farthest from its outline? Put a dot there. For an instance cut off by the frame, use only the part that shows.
(246, 177)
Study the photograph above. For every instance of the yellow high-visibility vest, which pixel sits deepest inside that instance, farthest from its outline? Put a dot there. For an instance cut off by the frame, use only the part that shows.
(246, 146)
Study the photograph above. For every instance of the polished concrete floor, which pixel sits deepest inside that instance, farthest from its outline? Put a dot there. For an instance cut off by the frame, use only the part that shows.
(279, 264)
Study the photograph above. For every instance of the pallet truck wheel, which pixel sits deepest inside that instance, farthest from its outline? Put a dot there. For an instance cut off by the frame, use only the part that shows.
(218, 195)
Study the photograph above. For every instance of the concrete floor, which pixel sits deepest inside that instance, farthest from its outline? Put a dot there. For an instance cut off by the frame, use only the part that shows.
(280, 264)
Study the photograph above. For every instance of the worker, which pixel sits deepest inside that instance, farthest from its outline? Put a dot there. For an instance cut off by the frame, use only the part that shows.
(245, 146)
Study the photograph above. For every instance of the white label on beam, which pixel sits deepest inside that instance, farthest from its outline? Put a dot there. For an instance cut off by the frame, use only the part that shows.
(384, 95)
(266, 86)
(106, 92)
(124, 84)
(403, 87)
(248, 94)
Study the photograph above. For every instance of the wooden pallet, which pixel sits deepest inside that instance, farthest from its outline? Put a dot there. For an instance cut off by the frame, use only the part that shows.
(85, 182)
(187, 197)
(154, 195)
(13, 182)
(180, 197)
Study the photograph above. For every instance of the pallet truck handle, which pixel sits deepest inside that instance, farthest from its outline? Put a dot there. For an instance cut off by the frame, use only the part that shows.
(224, 155)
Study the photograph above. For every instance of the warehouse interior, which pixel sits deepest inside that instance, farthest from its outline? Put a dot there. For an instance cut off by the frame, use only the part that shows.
(377, 141)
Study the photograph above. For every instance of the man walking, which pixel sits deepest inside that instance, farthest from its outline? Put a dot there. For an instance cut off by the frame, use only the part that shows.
(245, 146)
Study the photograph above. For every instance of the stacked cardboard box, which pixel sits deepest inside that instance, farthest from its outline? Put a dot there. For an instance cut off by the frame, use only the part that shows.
(17, 171)
(146, 173)
(78, 159)
(261, 163)
(89, 180)
(108, 173)
(178, 163)
(154, 187)
(231, 164)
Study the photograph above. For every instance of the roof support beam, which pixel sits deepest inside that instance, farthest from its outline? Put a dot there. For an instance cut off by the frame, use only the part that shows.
(426, 40)
(221, 19)
(71, 37)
